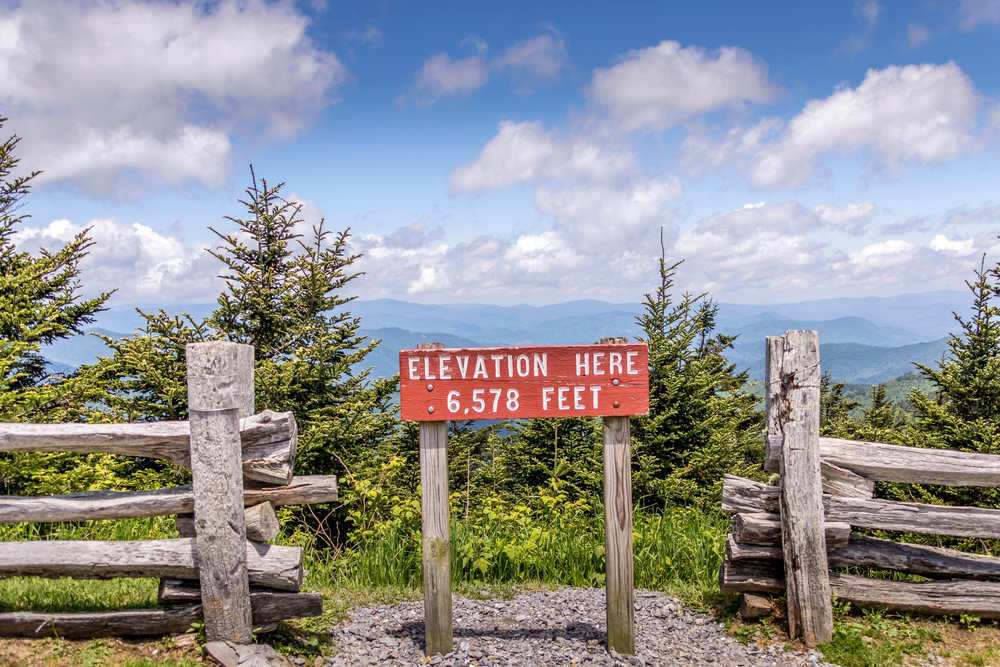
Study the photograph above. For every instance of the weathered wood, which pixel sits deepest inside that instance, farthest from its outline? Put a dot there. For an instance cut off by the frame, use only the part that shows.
(436, 539)
(269, 565)
(268, 442)
(764, 528)
(838, 481)
(93, 505)
(620, 607)
(744, 495)
(755, 606)
(773, 347)
(977, 598)
(755, 576)
(737, 551)
(919, 559)
(187, 591)
(266, 608)
(810, 614)
(220, 386)
(261, 522)
(914, 465)
(980, 598)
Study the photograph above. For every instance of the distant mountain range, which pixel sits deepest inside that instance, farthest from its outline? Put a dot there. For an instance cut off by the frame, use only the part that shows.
(863, 340)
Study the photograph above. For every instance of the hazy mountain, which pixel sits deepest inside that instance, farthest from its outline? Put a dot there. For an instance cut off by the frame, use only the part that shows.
(868, 364)
(75, 351)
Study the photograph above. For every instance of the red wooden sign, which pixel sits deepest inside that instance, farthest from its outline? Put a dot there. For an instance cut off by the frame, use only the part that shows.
(524, 382)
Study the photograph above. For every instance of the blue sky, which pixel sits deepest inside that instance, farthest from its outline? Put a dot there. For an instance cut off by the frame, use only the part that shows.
(520, 152)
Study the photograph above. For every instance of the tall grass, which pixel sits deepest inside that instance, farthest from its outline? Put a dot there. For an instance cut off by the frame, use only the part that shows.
(550, 542)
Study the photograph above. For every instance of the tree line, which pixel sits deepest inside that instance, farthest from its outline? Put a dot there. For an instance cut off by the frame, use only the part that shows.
(289, 295)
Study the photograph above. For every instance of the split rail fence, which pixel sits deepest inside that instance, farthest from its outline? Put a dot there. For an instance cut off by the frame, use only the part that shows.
(786, 538)
(220, 570)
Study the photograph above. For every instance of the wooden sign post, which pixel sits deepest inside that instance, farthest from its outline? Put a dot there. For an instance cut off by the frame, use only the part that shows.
(610, 380)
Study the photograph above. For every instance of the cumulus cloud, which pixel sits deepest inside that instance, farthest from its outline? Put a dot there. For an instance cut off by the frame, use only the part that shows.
(117, 97)
(140, 263)
(914, 114)
(853, 218)
(660, 86)
(529, 64)
(973, 13)
(769, 247)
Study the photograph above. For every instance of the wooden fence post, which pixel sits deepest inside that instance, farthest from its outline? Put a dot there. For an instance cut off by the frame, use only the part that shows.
(810, 612)
(774, 346)
(436, 538)
(220, 388)
(619, 580)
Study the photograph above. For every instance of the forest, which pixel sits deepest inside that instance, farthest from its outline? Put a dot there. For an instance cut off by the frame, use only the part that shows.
(525, 495)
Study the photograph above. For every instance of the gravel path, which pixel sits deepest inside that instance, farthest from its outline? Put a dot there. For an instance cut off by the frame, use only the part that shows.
(562, 627)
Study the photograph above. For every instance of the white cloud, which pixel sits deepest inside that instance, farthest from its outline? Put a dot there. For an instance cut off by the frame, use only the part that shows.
(529, 63)
(973, 13)
(960, 248)
(962, 215)
(914, 114)
(853, 217)
(660, 86)
(514, 156)
(118, 97)
(137, 261)
(884, 255)
(440, 75)
(534, 62)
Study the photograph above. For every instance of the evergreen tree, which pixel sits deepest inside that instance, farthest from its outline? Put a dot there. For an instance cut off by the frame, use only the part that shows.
(964, 410)
(39, 304)
(835, 410)
(569, 449)
(702, 422)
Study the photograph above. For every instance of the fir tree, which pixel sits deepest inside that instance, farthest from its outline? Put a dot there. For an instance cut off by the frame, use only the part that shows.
(702, 422)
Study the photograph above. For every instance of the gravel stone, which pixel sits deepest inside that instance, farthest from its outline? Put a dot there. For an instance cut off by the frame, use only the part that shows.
(561, 627)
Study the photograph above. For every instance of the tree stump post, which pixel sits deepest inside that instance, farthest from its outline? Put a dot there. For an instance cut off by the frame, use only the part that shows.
(220, 389)
(810, 611)
(436, 537)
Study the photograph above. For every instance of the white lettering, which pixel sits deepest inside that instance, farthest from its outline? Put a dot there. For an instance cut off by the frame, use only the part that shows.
(414, 373)
(597, 364)
(578, 398)
(443, 368)
(510, 365)
(545, 396)
(594, 391)
(463, 365)
(480, 368)
(562, 398)
(527, 365)
(630, 363)
(497, 358)
(585, 366)
(427, 369)
(542, 364)
(615, 361)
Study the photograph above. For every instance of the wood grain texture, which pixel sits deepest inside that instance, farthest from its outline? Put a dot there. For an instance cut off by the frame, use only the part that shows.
(765, 529)
(220, 380)
(549, 381)
(92, 505)
(913, 465)
(839, 481)
(919, 559)
(266, 608)
(981, 598)
(269, 565)
(773, 349)
(187, 591)
(268, 442)
(744, 495)
(618, 534)
(261, 522)
(810, 613)
(436, 538)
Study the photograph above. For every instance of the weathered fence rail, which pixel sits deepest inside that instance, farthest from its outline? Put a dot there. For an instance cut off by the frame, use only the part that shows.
(221, 561)
(765, 555)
